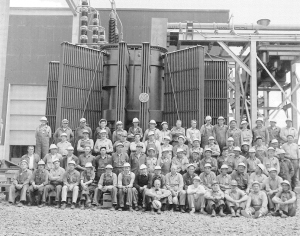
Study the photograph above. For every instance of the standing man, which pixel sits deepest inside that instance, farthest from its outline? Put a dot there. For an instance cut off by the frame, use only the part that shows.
(274, 131)
(206, 131)
(137, 158)
(103, 141)
(234, 133)
(64, 129)
(63, 144)
(20, 184)
(135, 129)
(42, 135)
(71, 180)
(286, 167)
(177, 131)
(118, 132)
(220, 131)
(79, 131)
(262, 131)
(289, 130)
(193, 133)
(246, 134)
(195, 194)
(48, 159)
(119, 158)
(31, 158)
(102, 126)
(84, 142)
(39, 179)
(101, 161)
(165, 132)
(292, 153)
(152, 128)
(215, 200)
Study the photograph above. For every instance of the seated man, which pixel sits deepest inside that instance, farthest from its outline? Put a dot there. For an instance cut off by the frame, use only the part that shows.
(31, 158)
(285, 201)
(188, 177)
(69, 157)
(101, 161)
(86, 179)
(103, 141)
(208, 159)
(273, 186)
(166, 161)
(233, 161)
(214, 147)
(259, 176)
(174, 183)
(160, 194)
(224, 179)
(241, 177)
(207, 177)
(257, 202)
(108, 183)
(85, 158)
(125, 185)
(270, 161)
(235, 199)
(215, 200)
(137, 158)
(119, 158)
(84, 142)
(158, 175)
(39, 179)
(71, 180)
(20, 184)
(141, 184)
(195, 194)
(55, 183)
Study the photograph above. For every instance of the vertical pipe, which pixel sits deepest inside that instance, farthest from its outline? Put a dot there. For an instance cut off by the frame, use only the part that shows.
(253, 82)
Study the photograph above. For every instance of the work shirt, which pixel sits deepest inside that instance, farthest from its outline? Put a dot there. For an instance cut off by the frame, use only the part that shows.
(246, 136)
(154, 144)
(117, 135)
(48, 159)
(97, 133)
(103, 143)
(82, 143)
(22, 177)
(235, 134)
(206, 131)
(207, 179)
(181, 163)
(242, 179)
(273, 184)
(215, 149)
(286, 169)
(108, 180)
(141, 180)
(136, 160)
(274, 133)
(126, 179)
(176, 132)
(224, 181)
(271, 162)
(71, 177)
(132, 146)
(56, 175)
(39, 177)
(31, 160)
(85, 176)
(62, 147)
(211, 160)
(119, 159)
(157, 135)
(284, 132)
(234, 161)
(236, 194)
(174, 182)
(79, 133)
(263, 132)
(102, 161)
(220, 133)
(292, 151)
(260, 178)
(165, 164)
(165, 133)
(230, 149)
(185, 148)
(259, 199)
(132, 131)
(169, 148)
(196, 190)
(66, 159)
(211, 193)
(252, 164)
(187, 180)
(59, 131)
(193, 133)
(83, 159)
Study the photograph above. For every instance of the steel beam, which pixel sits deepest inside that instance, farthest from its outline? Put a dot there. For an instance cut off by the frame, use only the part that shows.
(237, 94)
(294, 97)
(75, 25)
(72, 7)
(253, 82)
(235, 57)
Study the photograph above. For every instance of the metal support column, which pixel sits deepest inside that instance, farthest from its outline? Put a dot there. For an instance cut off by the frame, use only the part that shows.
(253, 82)
(237, 94)
(266, 105)
(294, 82)
(76, 21)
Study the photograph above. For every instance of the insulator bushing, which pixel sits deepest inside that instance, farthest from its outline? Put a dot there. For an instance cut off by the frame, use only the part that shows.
(84, 20)
(83, 30)
(95, 38)
(112, 30)
(83, 39)
(95, 21)
(95, 30)
(84, 3)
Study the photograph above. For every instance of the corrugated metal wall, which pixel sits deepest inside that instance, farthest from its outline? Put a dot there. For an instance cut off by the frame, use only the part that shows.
(79, 85)
(184, 80)
(215, 93)
(51, 101)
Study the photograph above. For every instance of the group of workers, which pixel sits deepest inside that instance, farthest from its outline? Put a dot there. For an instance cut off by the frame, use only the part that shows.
(216, 169)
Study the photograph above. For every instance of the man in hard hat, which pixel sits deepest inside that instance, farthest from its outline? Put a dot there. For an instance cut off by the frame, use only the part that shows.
(48, 159)
(142, 184)
(166, 146)
(152, 128)
(273, 186)
(286, 166)
(31, 158)
(223, 178)
(220, 131)
(85, 158)
(195, 160)
(274, 130)
(230, 144)
(151, 142)
(222, 159)
(288, 130)
(257, 202)
(245, 150)
(214, 147)
(262, 131)
(196, 147)
(241, 176)
(108, 183)
(101, 161)
(188, 177)
(165, 162)
(125, 186)
(293, 154)
(252, 161)
(215, 200)
(137, 140)
(181, 161)
(102, 126)
(20, 184)
(79, 132)
(195, 196)
(174, 183)
(119, 158)
(135, 129)
(86, 179)
(285, 201)
(118, 132)
(84, 142)
(69, 157)
(208, 159)
(63, 144)
(275, 144)
(42, 136)
(246, 134)
(192, 133)
(258, 176)
(206, 130)
(126, 144)
(180, 144)
(137, 158)
(234, 132)
(207, 177)
(177, 131)
(38, 181)
(158, 175)
(64, 129)
(260, 148)
(165, 132)
(71, 181)
(270, 161)
(103, 141)
(235, 199)
(233, 161)
(55, 184)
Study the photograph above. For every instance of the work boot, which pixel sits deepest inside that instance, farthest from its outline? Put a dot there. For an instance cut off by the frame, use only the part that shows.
(284, 216)
(192, 212)
(213, 213)
(181, 209)
(221, 212)
(81, 207)
(202, 212)
(57, 205)
(73, 206)
(64, 205)
(159, 211)
(130, 209)
(257, 215)
(171, 208)
(20, 204)
(232, 213)
(143, 209)
(245, 214)
(42, 205)
(174, 207)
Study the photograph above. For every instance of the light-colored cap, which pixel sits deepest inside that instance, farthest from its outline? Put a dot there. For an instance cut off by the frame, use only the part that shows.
(82, 120)
(65, 121)
(102, 131)
(119, 144)
(255, 182)
(24, 161)
(272, 169)
(208, 149)
(41, 162)
(70, 148)
(108, 166)
(181, 136)
(237, 148)
(271, 148)
(189, 165)
(152, 122)
(259, 119)
(261, 166)
(180, 150)
(150, 133)
(119, 123)
(211, 138)
(221, 118)
(208, 118)
(140, 145)
(274, 141)
(233, 183)
(167, 137)
(252, 150)
(285, 182)
(63, 134)
(88, 165)
(157, 168)
(214, 182)
(55, 160)
(103, 120)
(151, 148)
(230, 139)
(196, 140)
(85, 131)
(281, 151)
(233, 120)
(207, 165)
(224, 166)
(197, 178)
(195, 151)
(242, 164)
(164, 122)
(52, 146)
(72, 163)
(135, 120)
(272, 120)
(44, 118)
(245, 143)
(126, 164)
(143, 166)
(244, 122)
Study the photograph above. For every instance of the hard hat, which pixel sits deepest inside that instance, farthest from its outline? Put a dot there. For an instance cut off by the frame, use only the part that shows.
(180, 150)
(102, 131)
(255, 182)
(108, 166)
(151, 148)
(135, 120)
(65, 121)
(211, 138)
(245, 143)
(261, 166)
(196, 139)
(88, 165)
(272, 120)
(126, 164)
(237, 148)
(233, 120)
(244, 122)
(143, 166)
(152, 122)
(157, 168)
(281, 151)
(150, 133)
(224, 166)
(288, 119)
(41, 162)
(272, 169)
(258, 137)
(207, 165)
(72, 163)
(181, 136)
(63, 134)
(189, 165)
(24, 161)
(103, 120)
(70, 148)
(82, 120)
(43, 118)
(252, 150)
(197, 178)
(119, 144)
(208, 118)
(164, 122)
(214, 182)
(290, 135)
(221, 118)
(242, 164)
(285, 182)
(195, 151)
(85, 131)
(52, 146)
(167, 137)
(119, 123)
(274, 141)
(233, 183)
(55, 160)
(271, 148)
(259, 119)
(230, 139)
(208, 150)
(140, 145)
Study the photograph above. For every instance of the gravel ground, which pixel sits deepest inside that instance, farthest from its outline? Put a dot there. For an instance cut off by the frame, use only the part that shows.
(51, 221)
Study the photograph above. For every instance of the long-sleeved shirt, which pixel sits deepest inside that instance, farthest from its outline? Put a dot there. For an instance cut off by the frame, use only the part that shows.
(136, 160)
(176, 132)
(207, 179)
(83, 159)
(193, 133)
(274, 133)
(284, 132)
(97, 133)
(71, 177)
(196, 190)
(122, 176)
(62, 147)
(164, 133)
(286, 169)
(292, 151)
(117, 135)
(242, 179)
(271, 162)
(263, 132)
(211, 193)
(82, 143)
(48, 159)
(56, 175)
(187, 180)
(125, 148)
(206, 131)
(39, 177)
(104, 176)
(79, 133)
(142, 180)
(60, 130)
(224, 181)
(103, 143)
(132, 131)
(174, 181)
(22, 176)
(212, 161)
(119, 159)
(102, 161)
(273, 184)
(43, 131)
